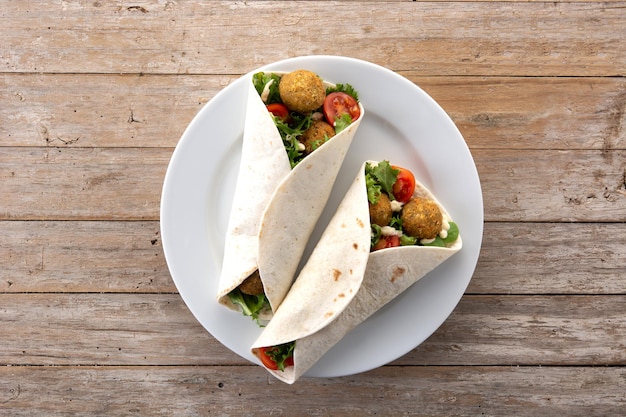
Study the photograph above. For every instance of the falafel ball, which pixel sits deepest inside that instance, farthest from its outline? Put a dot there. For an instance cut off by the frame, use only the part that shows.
(252, 285)
(318, 133)
(302, 91)
(381, 212)
(421, 218)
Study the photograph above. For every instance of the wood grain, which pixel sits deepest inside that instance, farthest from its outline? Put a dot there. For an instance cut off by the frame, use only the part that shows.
(551, 258)
(82, 256)
(238, 391)
(94, 97)
(82, 183)
(529, 330)
(553, 186)
(87, 184)
(534, 113)
(114, 256)
(430, 38)
(153, 110)
(147, 329)
(101, 110)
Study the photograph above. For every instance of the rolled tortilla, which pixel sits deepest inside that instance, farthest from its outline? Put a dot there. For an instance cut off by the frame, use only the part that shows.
(260, 233)
(303, 316)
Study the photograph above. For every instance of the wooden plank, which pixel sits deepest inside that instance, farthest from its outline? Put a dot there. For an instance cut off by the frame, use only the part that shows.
(529, 330)
(431, 38)
(153, 111)
(557, 258)
(82, 257)
(240, 391)
(83, 183)
(98, 256)
(102, 111)
(147, 329)
(100, 329)
(534, 113)
(88, 184)
(553, 186)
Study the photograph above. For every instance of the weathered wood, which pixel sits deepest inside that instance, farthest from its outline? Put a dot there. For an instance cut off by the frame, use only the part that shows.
(83, 183)
(101, 110)
(100, 329)
(82, 257)
(530, 330)
(553, 186)
(551, 258)
(104, 256)
(431, 38)
(534, 113)
(94, 96)
(153, 111)
(111, 184)
(147, 329)
(243, 391)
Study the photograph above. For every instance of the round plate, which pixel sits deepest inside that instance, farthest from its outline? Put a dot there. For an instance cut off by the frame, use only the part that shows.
(402, 124)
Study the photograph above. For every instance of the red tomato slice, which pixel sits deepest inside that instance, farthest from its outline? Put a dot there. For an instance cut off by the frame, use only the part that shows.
(266, 360)
(338, 103)
(289, 361)
(279, 110)
(387, 242)
(404, 186)
(269, 362)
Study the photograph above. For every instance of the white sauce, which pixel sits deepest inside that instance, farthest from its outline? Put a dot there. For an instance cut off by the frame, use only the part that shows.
(317, 116)
(389, 231)
(301, 146)
(266, 91)
(396, 206)
(445, 226)
(426, 241)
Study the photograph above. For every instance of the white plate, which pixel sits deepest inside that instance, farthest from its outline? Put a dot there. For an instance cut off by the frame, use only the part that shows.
(401, 124)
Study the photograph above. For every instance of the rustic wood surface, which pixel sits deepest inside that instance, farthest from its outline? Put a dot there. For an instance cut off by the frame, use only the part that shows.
(94, 96)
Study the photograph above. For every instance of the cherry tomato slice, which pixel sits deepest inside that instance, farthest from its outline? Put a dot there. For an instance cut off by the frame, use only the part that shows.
(289, 361)
(279, 110)
(266, 360)
(387, 242)
(338, 103)
(404, 186)
(269, 362)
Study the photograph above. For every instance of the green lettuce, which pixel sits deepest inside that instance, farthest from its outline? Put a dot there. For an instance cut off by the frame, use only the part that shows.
(380, 177)
(279, 354)
(251, 305)
(260, 80)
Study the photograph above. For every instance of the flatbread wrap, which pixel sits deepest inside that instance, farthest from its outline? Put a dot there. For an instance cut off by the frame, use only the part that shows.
(297, 131)
(417, 235)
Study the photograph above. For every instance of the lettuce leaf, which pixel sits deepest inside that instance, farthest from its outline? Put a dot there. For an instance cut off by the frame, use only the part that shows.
(380, 177)
(279, 354)
(342, 122)
(344, 88)
(260, 80)
(453, 234)
(251, 305)
(290, 132)
(375, 235)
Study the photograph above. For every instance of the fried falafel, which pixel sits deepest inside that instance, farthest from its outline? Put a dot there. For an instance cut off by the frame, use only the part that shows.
(302, 91)
(421, 218)
(252, 285)
(381, 212)
(315, 136)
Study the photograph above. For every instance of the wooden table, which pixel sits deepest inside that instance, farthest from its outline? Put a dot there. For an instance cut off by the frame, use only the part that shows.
(94, 96)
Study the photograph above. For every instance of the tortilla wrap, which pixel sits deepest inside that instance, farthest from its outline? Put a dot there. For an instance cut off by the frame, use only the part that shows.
(304, 314)
(261, 234)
